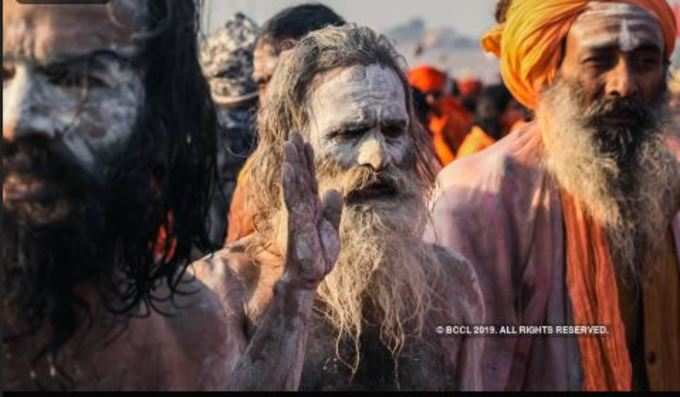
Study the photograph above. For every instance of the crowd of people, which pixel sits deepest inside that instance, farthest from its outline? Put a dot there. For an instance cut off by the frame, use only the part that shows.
(292, 207)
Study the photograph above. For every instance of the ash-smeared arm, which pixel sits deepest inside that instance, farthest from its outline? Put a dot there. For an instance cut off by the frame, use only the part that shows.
(274, 356)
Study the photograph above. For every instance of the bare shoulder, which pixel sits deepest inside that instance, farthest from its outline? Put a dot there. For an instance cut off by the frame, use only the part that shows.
(456, 268)
(220, 273)
(460, 285)
(205, 323)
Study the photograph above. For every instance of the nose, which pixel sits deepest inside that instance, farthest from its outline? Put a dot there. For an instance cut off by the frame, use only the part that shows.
(622, 81)
(21, 116)
(373, 154)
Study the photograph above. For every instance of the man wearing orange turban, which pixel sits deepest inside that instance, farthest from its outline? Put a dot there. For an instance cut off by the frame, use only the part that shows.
(447, 121)
(574, 219)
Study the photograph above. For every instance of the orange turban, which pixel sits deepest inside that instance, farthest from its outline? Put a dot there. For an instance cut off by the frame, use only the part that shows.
(427, 79)
(470, 86)
(528, 42)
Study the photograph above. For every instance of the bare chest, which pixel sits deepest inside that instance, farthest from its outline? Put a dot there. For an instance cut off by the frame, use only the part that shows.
(420, 365)
(105, 366)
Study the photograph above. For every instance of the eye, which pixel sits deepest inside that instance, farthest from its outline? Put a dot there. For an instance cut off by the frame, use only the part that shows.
(73, 77)
(8, 72)
(393, 130)
(645, 62)
(354, 132)
(261, 82)
(599, 61)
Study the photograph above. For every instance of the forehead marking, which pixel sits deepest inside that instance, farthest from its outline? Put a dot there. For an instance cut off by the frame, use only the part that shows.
(628, 41)
(635, 26)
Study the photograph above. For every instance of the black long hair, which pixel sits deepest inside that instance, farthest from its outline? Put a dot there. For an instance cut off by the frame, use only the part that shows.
(162, 183)
(295, 22)
(178, 142)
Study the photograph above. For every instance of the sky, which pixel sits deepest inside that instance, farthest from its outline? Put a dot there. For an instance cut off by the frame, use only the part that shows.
(471, 17)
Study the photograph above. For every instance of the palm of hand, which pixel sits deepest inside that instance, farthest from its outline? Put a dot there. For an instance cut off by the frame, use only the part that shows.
(310, 237)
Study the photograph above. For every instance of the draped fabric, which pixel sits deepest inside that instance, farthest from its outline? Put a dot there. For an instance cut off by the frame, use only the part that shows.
(593, 290)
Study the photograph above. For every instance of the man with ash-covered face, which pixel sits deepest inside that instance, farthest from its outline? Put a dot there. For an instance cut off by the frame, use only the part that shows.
(277, 36)
(343, 90)
(574, 218)
(107, 157)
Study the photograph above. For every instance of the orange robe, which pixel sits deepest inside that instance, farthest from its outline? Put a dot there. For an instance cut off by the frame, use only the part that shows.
(476, 141)
(449, 129)
(240, 221)
(592, 287)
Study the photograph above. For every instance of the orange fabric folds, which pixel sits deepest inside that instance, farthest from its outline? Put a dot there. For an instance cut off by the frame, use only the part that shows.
(528, 42)
(592, 286)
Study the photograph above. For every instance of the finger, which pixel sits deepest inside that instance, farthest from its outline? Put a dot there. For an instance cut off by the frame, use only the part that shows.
(304, 159)
(295, 185)
(330, 245)
(291, 154)
(311, 166)
(296, 139)
(332, 204)
(305, 171)
(290, 188)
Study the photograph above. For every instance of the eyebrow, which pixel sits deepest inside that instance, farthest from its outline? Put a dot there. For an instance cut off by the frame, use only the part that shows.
(646, 44)
(396, 122)
(649, 47)
(95, 58)
(351, 125)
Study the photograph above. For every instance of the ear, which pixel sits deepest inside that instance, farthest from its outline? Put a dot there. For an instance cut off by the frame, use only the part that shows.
(563, 50)
(286, 45)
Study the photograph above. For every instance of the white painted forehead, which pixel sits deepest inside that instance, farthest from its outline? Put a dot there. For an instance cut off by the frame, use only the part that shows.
(636, 24)
(366, 78)
(615, 10)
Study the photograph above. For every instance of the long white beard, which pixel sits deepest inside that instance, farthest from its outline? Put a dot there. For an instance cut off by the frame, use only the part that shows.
(636, 218)
(384, 275)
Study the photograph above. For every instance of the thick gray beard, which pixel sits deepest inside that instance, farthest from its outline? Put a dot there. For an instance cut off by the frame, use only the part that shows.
(636, 218)
(384, 275)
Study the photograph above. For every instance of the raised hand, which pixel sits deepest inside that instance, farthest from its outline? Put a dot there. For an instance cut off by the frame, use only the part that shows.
(310, 241)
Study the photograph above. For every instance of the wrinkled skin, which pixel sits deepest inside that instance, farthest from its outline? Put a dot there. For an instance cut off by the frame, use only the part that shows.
(615, 50)
(203, 344)
(54, 91)
(359, 119)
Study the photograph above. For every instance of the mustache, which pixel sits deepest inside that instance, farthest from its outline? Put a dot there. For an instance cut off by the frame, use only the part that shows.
(635, 112)
(622, 124)
(44, 159)
(362, 178)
